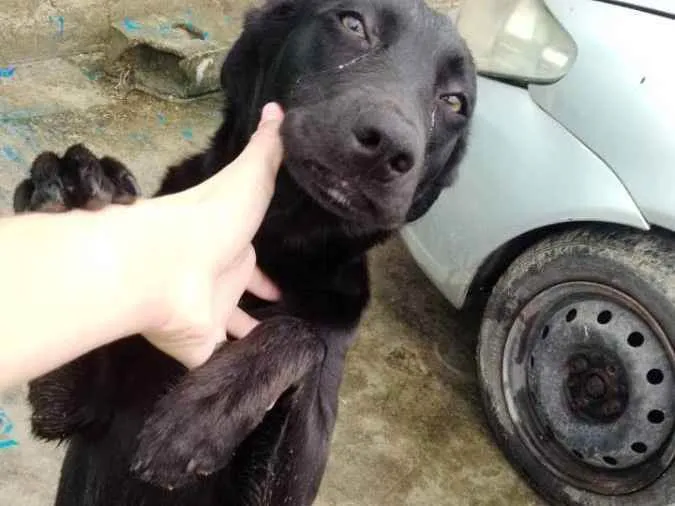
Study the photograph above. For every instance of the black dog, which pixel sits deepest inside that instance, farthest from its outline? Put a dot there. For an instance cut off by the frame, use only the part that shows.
(378, 96)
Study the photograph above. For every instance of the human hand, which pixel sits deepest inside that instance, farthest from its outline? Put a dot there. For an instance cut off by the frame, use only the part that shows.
(209, 261)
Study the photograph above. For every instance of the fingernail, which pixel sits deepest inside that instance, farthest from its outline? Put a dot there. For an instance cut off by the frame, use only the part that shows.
(271, 112)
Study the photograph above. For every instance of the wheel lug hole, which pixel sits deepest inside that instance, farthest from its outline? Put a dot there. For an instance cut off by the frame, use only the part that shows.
(655, 376)
(656, 416)
(571, 315)
(639, 447)
(604, 317)
(636, 339)
(610, 461)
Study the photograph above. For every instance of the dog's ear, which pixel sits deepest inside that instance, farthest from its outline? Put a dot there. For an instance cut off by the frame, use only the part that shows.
(243, 72)
(435, 180)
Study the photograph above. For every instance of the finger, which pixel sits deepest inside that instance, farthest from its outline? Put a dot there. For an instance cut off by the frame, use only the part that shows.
(188, 352)
(245, 187)
(255, 169)
(261, 286)
(231, 285)
(240, 324)
(261, 159)
(266, 143)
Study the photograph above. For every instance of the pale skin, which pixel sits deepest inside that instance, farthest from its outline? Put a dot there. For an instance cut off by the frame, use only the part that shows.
(171, 268)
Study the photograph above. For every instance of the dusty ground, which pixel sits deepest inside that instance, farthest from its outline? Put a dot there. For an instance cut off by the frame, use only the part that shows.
(410, 431)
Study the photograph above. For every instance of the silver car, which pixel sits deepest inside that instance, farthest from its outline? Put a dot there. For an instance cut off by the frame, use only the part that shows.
(561, 225)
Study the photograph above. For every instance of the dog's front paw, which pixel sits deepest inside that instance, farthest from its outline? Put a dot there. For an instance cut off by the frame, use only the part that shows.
(186, 439)
(176, 446)
(78, 180)
(195, 429)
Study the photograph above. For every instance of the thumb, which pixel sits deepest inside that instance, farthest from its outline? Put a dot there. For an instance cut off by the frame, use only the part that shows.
(244, 188)
(265, 144)
(260, 161)
(247, 185)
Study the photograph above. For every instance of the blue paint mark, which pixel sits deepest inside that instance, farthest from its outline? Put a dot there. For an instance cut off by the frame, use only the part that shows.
(227, 19)
(165, 28)
(6, 428)
(7, 72)
(21, 114)
(60, 23)
(131, 24)
(26, 132)
(92, 75)
(141, 137)
(191, 27)
(11, 154)
(7, 443)
(187, 134)
(162, 119)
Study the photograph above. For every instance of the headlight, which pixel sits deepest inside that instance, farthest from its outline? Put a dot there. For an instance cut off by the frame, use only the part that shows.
(516, 39)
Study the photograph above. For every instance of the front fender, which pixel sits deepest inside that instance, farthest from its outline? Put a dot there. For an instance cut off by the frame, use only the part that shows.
(523, 171)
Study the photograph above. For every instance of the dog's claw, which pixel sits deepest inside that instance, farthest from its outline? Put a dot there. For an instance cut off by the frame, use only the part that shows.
(166, 473)
(142, 470)
(191, 467)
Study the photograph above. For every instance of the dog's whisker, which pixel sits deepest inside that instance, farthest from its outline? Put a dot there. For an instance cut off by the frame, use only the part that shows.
(340, 67)
(433, 119)
(352, 62)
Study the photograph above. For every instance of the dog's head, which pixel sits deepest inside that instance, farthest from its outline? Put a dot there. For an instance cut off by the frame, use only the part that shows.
(378, 97)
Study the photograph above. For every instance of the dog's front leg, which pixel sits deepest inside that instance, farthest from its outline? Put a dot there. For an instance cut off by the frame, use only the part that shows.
(74, 398)
(196, 427)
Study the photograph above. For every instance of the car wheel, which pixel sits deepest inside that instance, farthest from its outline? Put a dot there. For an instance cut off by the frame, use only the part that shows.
(576, 362)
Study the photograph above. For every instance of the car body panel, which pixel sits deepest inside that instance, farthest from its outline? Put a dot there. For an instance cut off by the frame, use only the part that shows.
(665, 7)
(570, 151)
(619, 97)
(501, 193)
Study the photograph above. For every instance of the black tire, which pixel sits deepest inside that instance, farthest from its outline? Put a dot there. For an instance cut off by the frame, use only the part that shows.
(639, 266)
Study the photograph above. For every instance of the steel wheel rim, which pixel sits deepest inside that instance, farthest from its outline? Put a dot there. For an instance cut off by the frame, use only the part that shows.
(552, 413)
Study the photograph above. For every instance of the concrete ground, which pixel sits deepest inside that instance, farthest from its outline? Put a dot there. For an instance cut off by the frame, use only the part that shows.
(410, 430)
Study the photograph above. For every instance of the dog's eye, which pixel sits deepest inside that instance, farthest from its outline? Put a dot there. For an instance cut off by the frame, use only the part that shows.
(354, 25)
(456, 102)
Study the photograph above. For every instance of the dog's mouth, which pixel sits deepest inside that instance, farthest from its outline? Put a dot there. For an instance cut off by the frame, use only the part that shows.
(333, 192)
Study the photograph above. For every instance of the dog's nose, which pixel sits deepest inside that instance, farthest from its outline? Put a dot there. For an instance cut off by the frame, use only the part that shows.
(385, 141)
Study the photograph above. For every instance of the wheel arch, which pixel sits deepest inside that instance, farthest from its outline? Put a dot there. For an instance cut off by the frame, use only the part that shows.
(496, 263)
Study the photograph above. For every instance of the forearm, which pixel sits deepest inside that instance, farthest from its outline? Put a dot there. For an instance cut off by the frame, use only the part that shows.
(72, 282)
